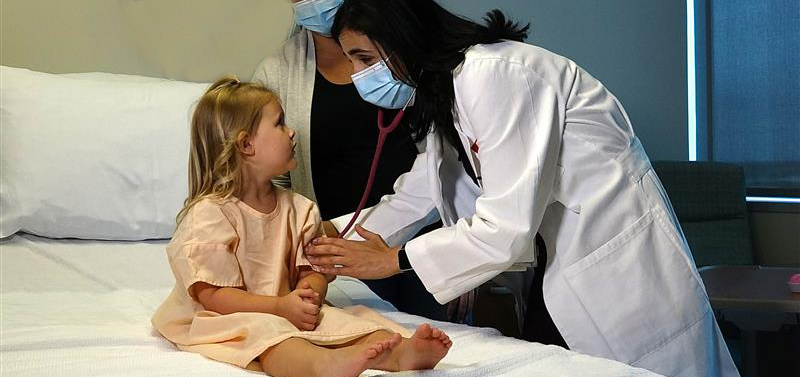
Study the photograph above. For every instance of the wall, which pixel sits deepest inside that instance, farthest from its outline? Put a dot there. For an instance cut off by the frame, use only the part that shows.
(193, 40)
(637, 48)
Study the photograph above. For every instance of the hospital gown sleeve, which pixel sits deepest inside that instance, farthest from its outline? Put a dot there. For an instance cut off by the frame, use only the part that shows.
(399, 216)
(514, 116)
(310, 227)
(203, 248)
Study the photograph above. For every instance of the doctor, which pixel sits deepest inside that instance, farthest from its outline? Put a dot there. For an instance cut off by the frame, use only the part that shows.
(551, 150)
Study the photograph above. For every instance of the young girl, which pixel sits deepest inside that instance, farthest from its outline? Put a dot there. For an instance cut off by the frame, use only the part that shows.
(244, 291)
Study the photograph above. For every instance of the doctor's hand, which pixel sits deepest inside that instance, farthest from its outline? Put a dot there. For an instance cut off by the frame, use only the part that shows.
(369, 259)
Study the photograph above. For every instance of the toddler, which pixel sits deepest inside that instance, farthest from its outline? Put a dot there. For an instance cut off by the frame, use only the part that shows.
(244, 291)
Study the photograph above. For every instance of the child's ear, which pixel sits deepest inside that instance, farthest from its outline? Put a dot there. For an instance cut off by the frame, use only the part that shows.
(244, 144)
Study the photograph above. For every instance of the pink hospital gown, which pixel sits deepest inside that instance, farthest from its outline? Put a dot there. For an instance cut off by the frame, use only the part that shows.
(229, 244)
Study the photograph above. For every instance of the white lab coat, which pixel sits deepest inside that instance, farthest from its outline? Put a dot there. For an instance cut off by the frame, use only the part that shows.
(556, 154)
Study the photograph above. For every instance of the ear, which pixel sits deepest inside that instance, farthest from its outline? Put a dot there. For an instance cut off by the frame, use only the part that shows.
(244, 144)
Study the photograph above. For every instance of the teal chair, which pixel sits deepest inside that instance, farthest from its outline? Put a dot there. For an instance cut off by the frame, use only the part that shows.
(709, 200)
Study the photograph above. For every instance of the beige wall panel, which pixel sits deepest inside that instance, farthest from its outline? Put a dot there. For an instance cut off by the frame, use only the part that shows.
(193, 40)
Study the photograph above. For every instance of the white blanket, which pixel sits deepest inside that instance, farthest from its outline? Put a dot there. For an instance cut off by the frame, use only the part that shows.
(78, 308)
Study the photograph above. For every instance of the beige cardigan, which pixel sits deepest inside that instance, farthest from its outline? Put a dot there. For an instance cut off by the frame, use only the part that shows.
(290, 71)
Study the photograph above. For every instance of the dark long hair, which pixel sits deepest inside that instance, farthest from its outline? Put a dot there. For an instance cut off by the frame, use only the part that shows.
(425, 42)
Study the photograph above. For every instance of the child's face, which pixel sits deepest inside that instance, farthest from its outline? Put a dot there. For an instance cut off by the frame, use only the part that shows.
(273, 142)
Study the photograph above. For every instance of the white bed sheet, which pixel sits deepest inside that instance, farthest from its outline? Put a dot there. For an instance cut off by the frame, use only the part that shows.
(82, 308)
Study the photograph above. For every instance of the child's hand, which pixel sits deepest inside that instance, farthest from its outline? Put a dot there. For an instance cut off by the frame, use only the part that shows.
(298, 311)
(316, 300)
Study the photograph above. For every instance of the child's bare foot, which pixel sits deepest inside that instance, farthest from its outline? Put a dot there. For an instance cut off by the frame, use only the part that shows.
(423, 350)
(351, 361)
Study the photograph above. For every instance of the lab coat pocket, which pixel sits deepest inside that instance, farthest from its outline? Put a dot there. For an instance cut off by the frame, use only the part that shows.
(638, 290)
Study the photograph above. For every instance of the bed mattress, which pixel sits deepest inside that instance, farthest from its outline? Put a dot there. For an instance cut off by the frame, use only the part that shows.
(83, 308)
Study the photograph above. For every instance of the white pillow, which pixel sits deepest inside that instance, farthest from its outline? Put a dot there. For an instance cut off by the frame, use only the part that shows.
(111, 77)
(92, 159)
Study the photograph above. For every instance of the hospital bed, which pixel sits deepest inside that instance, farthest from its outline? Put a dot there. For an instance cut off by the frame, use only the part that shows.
(93, 171)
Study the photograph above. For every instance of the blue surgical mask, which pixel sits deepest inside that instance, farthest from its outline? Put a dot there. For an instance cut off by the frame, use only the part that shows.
(377, 85)
(317, 15)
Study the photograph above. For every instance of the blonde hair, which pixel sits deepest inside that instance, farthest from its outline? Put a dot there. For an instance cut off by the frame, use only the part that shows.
(229, 110)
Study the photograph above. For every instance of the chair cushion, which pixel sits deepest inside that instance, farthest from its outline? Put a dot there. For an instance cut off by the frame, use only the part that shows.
(703, 191)
(709, 200)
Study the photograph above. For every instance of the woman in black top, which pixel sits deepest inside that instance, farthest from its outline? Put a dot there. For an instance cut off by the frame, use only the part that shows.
(337, 133)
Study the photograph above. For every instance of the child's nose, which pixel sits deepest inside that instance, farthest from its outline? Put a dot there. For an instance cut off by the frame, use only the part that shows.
(291, 132)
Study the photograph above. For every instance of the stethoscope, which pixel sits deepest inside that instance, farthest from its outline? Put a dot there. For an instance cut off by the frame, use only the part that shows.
(383, 132)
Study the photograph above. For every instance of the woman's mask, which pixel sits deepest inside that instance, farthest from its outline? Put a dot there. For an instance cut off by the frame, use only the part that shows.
(317, 15)
(377, 86)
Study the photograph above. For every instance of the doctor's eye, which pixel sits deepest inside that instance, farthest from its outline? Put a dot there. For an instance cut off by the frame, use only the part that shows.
(366, 59)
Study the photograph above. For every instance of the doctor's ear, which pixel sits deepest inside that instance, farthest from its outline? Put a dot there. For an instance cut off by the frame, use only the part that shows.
(244, 144)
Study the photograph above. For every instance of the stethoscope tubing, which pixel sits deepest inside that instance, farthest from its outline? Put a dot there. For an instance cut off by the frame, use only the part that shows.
(383, 132)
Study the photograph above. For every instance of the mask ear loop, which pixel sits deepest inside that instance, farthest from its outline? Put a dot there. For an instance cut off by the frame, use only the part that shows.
(409, 102)
(388, 61)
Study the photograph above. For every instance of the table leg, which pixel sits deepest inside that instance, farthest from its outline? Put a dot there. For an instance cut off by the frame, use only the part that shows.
(749, 353)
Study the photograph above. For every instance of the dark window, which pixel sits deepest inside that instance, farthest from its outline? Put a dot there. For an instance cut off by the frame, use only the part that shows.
(748, 90)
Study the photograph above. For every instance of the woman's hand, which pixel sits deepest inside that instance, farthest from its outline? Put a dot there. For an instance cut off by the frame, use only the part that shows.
(294, 307)
(369, 259)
